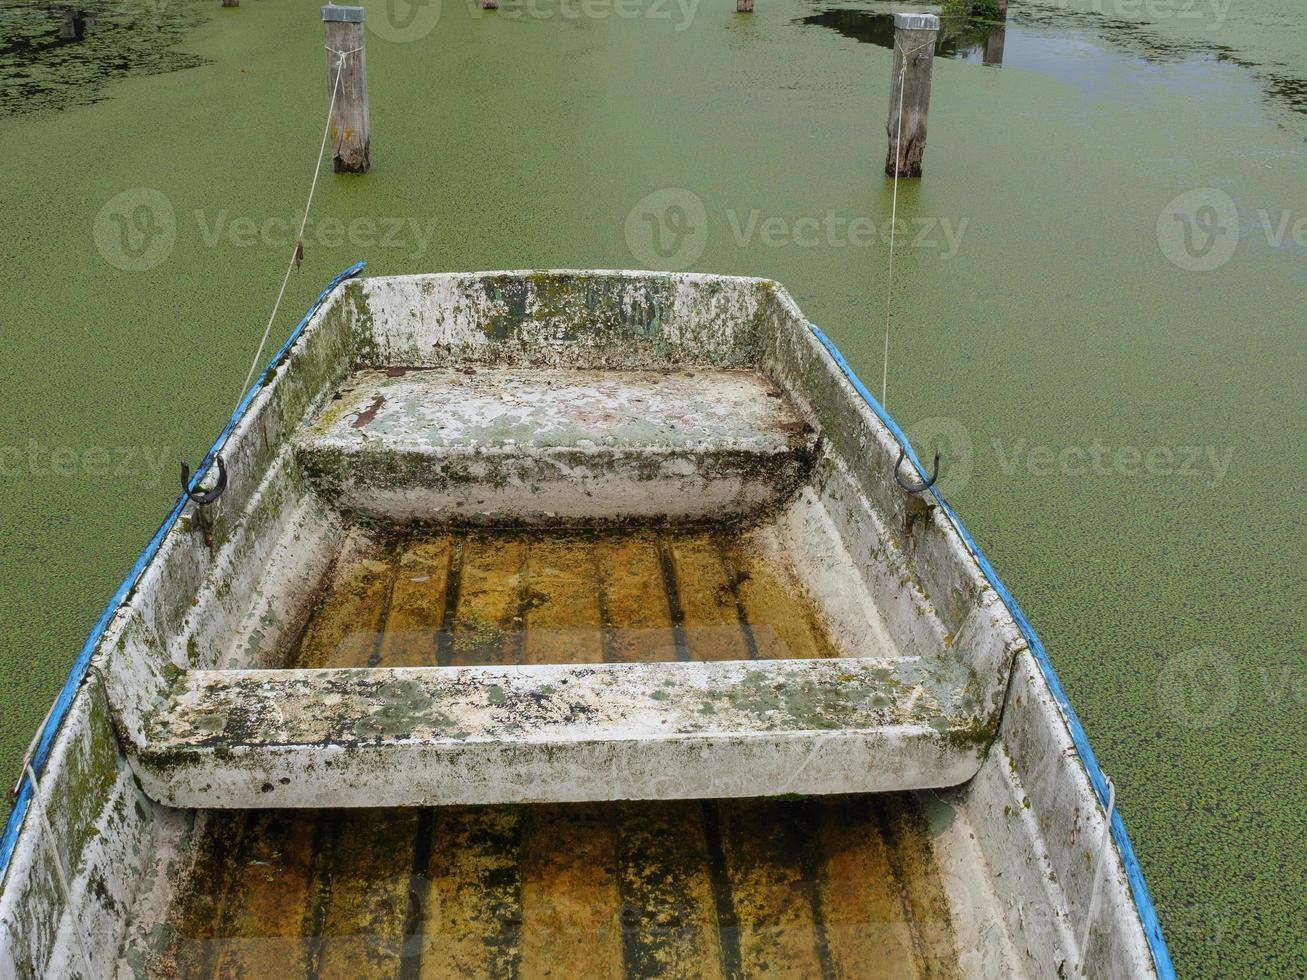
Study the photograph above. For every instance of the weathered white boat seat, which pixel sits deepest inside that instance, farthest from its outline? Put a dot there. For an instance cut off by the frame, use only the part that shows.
(550, 443)
(440, 735)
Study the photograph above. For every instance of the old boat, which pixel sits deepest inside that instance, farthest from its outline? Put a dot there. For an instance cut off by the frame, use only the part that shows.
(545, 622)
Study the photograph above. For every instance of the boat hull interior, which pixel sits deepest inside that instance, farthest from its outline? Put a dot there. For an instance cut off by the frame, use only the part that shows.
(565, 621)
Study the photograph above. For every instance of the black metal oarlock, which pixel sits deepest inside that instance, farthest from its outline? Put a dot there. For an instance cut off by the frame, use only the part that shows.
(915, 488)
(205, 497)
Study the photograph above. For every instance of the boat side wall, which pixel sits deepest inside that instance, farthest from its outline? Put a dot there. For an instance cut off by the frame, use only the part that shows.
(101, 826)
(1053, 865)
(1060, 827)
(194, 596)
(937, 602)
(593, 320)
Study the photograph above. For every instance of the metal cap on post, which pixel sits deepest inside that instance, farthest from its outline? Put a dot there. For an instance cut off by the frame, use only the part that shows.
(909, 101)
(347, 89)
(912, 22)
(332, 14)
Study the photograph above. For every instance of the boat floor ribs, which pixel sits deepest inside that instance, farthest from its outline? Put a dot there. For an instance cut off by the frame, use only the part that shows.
(482, 597)
(841, 887)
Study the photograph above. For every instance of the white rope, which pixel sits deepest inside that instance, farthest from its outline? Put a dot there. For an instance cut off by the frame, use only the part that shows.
(893, 222)
(1098, 870)
(31, 752)
(299, 239)
(894, 213)
(52, 842)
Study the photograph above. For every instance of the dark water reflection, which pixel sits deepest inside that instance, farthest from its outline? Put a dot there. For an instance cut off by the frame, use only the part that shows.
(56, 55)
(959, 38)
(1088, 50)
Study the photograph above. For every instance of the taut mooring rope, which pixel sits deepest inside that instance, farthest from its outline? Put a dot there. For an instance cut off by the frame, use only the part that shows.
(297, 252)
(894, 211)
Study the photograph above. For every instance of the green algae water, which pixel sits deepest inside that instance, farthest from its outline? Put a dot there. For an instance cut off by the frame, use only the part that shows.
(1115, 379)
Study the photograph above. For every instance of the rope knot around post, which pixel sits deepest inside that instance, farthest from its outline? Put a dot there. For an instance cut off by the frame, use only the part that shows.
(341, 56)
(347, 89)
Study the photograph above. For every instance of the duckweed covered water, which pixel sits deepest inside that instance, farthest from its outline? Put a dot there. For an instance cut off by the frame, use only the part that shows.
(1123, 435)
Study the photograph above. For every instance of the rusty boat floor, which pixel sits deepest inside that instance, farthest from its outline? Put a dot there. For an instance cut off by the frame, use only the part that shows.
(411, 598)
(824, 887)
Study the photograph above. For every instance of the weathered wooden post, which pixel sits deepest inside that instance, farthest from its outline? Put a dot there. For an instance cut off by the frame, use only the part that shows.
(744, 6)
(71, 24)
(231, 3)
(350, 131)
(1002, 8)
(994, 41)
(909, 94)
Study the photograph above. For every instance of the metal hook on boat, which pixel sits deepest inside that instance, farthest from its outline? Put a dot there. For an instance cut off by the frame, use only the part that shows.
(915, 488)
(205, 497)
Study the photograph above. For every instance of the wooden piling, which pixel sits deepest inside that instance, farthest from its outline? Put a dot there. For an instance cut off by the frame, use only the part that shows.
(909, 101)
(231, 3)
(744, 6)
(71, 25)
(993, 51)
(350, 131)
